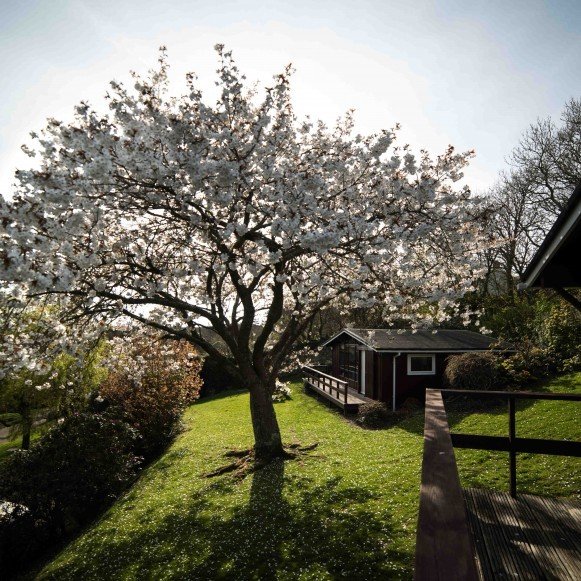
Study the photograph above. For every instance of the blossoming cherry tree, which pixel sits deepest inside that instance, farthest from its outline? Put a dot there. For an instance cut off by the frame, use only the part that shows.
(233, 224)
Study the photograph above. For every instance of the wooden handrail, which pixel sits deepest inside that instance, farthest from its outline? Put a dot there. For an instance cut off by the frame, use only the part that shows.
(317, 372)
(444, 546)
(511, 443)
(514, 394)
(323, 381)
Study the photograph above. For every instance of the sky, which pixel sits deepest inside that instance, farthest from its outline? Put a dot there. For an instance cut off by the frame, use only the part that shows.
(469, 73)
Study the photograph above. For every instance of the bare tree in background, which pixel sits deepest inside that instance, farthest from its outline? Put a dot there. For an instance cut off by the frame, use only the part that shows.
(546, 167)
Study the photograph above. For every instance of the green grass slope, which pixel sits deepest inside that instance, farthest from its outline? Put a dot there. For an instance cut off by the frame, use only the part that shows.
(346, 511)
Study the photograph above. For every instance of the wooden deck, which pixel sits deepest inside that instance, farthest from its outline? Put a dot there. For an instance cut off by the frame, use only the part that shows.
(528, 537)
(334, 390)
(466, 535)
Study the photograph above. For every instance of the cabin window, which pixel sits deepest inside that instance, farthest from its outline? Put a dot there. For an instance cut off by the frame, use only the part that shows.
(348, 361)
(421, 365)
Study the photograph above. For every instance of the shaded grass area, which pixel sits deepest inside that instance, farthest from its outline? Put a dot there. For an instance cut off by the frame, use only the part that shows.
(7, 446)
(346, 511)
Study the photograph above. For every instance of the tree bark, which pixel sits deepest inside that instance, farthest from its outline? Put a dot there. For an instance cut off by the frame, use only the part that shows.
(26, 426)
(26, 421)
(267, 439)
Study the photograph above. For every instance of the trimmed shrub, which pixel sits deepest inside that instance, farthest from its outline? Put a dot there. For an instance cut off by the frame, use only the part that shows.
(149, 385)
(374, 415)
(474, 371)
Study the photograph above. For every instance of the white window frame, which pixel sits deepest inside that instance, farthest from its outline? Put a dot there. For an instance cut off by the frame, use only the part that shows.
(433, 370)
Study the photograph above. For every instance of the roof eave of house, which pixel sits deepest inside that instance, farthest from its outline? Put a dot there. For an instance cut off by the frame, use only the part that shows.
(349, 332)
(564, 224)
(432, 350)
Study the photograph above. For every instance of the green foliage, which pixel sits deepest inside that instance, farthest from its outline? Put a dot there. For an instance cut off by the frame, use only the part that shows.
(475, 371)
(66, 478)
(348, 511)
(76, 377)
(60, 391)
(544, 330)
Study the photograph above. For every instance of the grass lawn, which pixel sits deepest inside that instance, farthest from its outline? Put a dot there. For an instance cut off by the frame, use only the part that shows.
(536, 474)
(347, 511)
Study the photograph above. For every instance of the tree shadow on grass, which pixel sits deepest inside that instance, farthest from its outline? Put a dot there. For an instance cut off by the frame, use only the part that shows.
(326, 530)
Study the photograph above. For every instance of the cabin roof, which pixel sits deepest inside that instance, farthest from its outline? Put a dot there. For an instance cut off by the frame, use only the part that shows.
(444, 340)
(556, 262)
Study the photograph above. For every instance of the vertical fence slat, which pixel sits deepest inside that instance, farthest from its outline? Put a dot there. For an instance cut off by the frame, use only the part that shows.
(511, 439)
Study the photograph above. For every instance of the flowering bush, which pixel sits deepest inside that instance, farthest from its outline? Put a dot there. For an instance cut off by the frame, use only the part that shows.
(572, 364)
(282, 392)
(529, 364)
(150, 382)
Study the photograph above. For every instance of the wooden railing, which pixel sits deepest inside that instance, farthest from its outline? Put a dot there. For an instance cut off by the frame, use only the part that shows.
(511, 443)
(326, 383)
(444, 545)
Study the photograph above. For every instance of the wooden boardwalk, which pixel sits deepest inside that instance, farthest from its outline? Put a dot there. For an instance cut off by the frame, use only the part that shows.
(528, 537)
(333, 389)
(354, 400)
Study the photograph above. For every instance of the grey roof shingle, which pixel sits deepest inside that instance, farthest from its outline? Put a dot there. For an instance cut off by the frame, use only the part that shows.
(423, 340)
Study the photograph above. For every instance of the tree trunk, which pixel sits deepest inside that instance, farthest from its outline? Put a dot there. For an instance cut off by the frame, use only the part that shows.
(26, 426)
(267, 440)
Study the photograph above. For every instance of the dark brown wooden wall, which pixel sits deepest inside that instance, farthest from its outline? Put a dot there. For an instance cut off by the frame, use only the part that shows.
(335, 360)
(416, 385)
(379, 375)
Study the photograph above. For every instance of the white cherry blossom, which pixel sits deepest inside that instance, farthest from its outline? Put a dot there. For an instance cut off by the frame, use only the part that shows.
(211, 221)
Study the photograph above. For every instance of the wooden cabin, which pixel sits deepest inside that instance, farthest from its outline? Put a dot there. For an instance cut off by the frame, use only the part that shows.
(390, 365)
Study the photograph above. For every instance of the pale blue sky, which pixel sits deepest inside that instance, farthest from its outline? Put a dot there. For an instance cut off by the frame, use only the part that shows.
(470, 73)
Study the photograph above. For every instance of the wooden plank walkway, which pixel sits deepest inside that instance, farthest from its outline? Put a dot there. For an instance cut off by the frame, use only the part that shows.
(354, 400)
(333, 389)
(527, 537)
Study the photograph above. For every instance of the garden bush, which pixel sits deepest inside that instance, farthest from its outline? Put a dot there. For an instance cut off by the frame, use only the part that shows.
(64, 480)
(374, 415)
(150, 383)
(21, 536)
(529, 364)
(475, 371)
